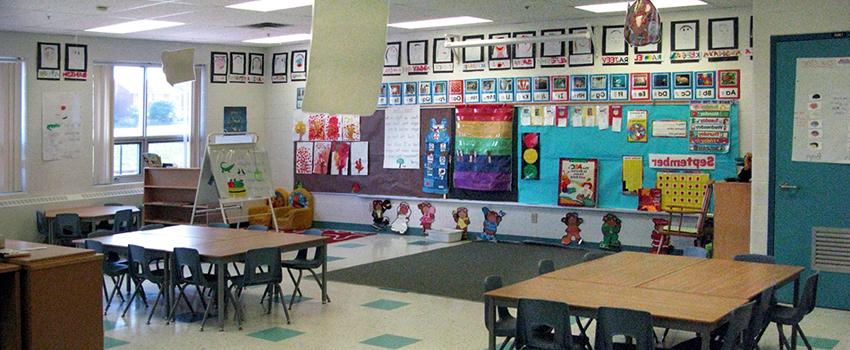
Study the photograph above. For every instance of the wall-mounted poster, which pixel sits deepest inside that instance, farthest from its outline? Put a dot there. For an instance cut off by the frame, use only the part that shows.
(218, 62)
(636, 124)
(237, 68)
(440, 92)
(279, 67)
(578, 87)
(541, 89)
(435, 178)
(488, 90)
(599, 87)
(61, 137)
(76, 62)
(523, 54)
(723, 39)
(340, 156)
(471, 92)
(618, 87)
(660, 86)
(425, 95)
(235, 119)
(443, 57)
(640, 86)
(473, 57)
(684, 41)
(560, 88)
(256, 68)
(392, 58)
(303, 157)
(710, 127)
(499, 55)
(615, 50)
(632, 174)
(48, 61)
(683, 85)
(417, 57)
(552, 53)
(705, 85)
(395, 94)
(298, 65)
(669, 128)
(577, 182)
(729, 84)
(401, 137)
(456, 91)
(409, 96)
(581, 50)
(350, 127)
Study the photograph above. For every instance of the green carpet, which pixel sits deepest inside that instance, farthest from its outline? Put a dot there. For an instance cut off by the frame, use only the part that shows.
(458, 271)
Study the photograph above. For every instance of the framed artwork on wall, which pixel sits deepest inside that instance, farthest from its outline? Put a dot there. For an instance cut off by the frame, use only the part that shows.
(613, 41)
(723, 33)
(219, 64)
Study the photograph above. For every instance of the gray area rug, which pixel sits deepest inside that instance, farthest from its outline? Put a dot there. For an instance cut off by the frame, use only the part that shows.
(458, 271)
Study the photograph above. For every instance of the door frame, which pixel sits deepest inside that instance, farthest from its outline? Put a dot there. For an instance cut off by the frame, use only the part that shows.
(771, 179)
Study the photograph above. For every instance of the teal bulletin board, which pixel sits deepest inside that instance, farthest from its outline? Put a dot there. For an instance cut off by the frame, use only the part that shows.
(608, 148)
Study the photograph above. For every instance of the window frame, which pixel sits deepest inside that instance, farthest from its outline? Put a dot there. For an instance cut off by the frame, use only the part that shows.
(18, 160)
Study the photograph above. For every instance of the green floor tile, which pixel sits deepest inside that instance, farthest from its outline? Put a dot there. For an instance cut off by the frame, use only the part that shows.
(385, 304)
(275, 334)
(112, 342)
(393, 289)
(110, 325)
(389, 341)
(420, 243)
(334, 258)
(298, 299)
(818, 343)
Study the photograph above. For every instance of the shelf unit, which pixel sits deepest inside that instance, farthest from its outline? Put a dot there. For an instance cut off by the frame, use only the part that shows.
(169, 196)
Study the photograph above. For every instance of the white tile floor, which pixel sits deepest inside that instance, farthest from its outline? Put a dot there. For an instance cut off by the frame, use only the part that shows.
(397, 319)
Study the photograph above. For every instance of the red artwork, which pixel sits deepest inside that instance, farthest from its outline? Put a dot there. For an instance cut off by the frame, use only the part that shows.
(304, 158)
(321, 157)
(341, 154)
(317, 123)
(332, 132)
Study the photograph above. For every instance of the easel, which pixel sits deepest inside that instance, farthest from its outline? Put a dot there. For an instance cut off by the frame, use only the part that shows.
(234, 171)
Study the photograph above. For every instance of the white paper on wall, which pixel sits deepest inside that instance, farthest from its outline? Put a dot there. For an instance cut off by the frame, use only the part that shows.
(401, 137)
(60, 131)
(822, 111)
(360, 158)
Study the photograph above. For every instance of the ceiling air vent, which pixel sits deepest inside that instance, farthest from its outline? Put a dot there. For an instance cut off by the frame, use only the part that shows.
(831, 249)
(265, 25)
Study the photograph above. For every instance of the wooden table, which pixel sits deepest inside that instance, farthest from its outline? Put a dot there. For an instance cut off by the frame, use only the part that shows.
(10, 307)
(61, 303)
(681, 293)
(218, 246)
(92, 214)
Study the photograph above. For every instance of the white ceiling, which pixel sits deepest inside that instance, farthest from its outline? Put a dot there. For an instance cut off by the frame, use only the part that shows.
(209, 21)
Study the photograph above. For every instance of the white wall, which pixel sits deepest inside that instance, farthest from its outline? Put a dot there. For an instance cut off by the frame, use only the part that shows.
(75, 176)
(779, 17)
(636, 226)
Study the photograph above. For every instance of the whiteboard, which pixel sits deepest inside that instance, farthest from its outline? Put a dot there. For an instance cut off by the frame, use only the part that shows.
(822, 111)
(241, 173)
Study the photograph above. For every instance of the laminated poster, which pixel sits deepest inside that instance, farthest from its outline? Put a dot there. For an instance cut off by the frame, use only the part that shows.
(577, 182)
(636, 126)
(710, 127)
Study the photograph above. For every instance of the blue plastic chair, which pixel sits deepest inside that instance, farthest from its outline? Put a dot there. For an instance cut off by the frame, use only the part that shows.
(189, 260)
(139, 264)
(732, 339)
(505, 325)
(41, 225)
(695, 252)
(67, 228)
(635, 325)
(114, 269)
(302, 263)
(543, 324)
(792, 316)
(151, 227)
(219, 225)
(262, 268)
(545, 266)
(756, 258)
(593, 255)
(123, 221)
(257, 228)
(113, 205)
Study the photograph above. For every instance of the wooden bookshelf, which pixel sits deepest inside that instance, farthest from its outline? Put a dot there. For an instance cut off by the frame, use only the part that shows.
(170, 195)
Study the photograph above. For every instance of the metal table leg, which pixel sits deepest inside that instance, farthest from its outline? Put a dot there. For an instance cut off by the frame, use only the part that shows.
(49, 223)
(325, 274)
(166, 284)
(220, 267)
(705, 336)
(490, 319)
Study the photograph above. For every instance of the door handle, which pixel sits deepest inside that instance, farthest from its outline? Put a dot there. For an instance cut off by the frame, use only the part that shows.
(787, 187)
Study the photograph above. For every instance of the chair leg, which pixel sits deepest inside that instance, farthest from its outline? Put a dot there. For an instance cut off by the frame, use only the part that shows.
(171, 317)
(783, 341)
(507, 339)
(236, 308)
(130, 302)
(282, 301)
(319, 282)
(265, 292)
(201, 296)
(803, 336)
(186, 299)
(117, 286)
(297, 289)
(207, 311)
(155, 303)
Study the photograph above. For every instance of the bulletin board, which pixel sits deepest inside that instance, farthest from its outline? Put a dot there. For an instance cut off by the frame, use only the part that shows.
(380, 181)
(609, 147)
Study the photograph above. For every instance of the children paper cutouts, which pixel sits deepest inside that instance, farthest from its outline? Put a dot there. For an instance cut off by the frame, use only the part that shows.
(379, 214)
(461, 217)
(428, 214)
(610, 233)
(572, 232)
(402, 217)
(492, 219)
(660, 243)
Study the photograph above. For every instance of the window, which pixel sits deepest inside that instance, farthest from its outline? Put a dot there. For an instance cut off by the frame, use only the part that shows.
(11, 125)
(149, 116)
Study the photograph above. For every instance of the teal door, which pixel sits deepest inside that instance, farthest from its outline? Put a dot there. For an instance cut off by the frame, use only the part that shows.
(805, 195)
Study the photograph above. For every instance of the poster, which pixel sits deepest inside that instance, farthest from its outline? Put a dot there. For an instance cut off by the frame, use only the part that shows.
(577, 182)
(339, 157)
(636, 126)
(235, 119)
(360, 158)
(822, 111)
(530, 169)
(435, 178)
(632, 174)
(321, 157)
(710, 127)
(61, 134)
(303, 157)
(401, 137)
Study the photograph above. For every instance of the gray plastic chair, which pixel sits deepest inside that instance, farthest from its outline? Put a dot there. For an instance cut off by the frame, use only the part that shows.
(536, 317)
(262, 268)
(593, 255)
(139, 264)
(114, 269)
(41, 225)
(505, 322)
(302, 263)
(257, 228)
(113, 204)
(739, 320)
(756, 258)
(219, 225)
(759, 321)
(123, 221)
(189, 260)
(100, 233)
(695, 252)
(67, 228)
(545, 266)
(110, 255)
(151, 227)
(636, 325)
(792, 316)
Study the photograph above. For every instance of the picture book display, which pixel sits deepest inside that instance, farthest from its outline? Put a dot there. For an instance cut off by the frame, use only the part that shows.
(577, 182)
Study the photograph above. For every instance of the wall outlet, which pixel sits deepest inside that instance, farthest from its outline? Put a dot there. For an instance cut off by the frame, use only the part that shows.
(533, 218)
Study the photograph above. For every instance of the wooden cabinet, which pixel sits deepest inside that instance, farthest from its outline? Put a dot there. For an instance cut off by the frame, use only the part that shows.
(10, 307)
(170, 194)
(731, 219)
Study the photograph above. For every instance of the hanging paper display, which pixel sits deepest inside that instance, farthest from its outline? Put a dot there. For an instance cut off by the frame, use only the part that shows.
(615, 49)
(710, 127)
(492, 219)
(417, 57)
(339, 159)
(395, 94)
(530, 156)
(541, 89)
(681, 190)
(471, 90)
(49, 58)
(456, 91)
(552, 53)
(640, 86)
(280, 62)
(636, 125)
(705, 85)
(76, 62)
(723, 39)
(560, 89)
(577, 182)
(669, 128)
(473, 57)
(321, 157)
(440, 92)
(299, 65)
(299, 126)
(61, 132)
(350, 128)
(500, 55)
(409, 96)
(525, 113)
(524, 53)
(660, 86)
(684, 41)
(599, 87)
(643, 23)
(523, 90)
(548, 115)
(589, 116)
(649, 199)
(683, 86)
(488, 90)
(632, 174)
(425, 95)
(577, 116)
(318, 126)
(729, 87)
(483, 155)
(360, 158)
(505, 90)
(618, 87)
(603, 121)
(537, 115)
(436, 163)
(235, 119)
(303, 157)
(392, 59)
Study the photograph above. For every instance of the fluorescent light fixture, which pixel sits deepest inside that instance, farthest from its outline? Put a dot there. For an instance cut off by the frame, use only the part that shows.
(270, 5)
(280, 39)
(440, 22)
(135, 26)
(624, 6)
